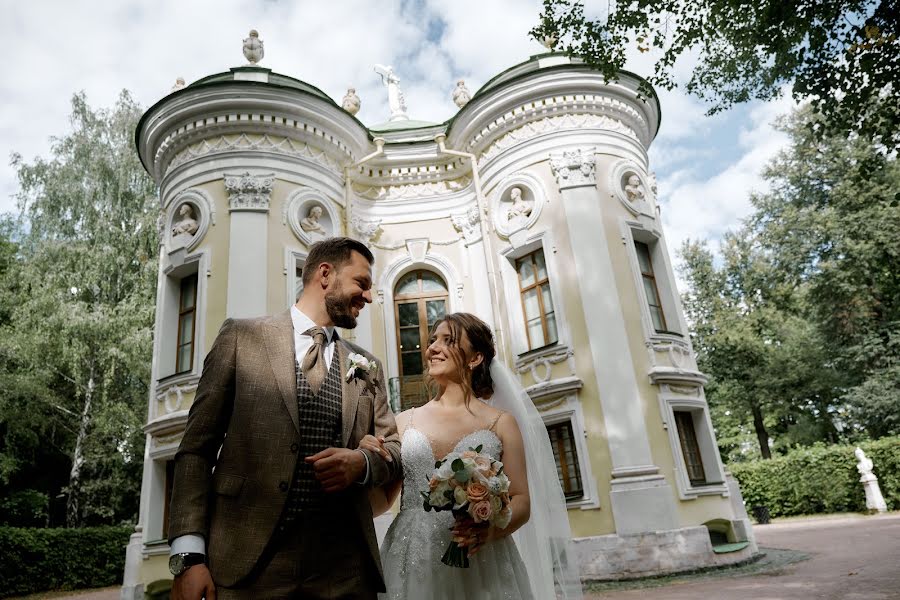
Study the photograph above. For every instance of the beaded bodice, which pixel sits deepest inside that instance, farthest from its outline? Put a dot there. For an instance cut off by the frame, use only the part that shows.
(418, 460)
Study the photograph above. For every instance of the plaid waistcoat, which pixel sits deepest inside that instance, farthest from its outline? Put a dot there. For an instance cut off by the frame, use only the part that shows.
(320, 428)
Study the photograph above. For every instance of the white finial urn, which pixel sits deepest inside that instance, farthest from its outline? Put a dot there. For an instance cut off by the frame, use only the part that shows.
(351, 101)
(253, 48)
(179, 84)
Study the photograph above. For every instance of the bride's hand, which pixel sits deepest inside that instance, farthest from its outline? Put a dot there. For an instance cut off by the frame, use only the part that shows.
(472, 536)
(376, 445)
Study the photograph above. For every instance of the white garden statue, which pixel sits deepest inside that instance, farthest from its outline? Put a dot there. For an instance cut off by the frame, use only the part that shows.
(396, 100)
(874, 499)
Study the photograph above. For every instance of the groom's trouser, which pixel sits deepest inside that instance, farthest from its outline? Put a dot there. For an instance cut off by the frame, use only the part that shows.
(319, 556)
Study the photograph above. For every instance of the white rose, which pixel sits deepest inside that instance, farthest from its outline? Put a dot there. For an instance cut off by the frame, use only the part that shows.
(445, 471)
(502, 520)
(459, 494)
(437, 497)
(503, 480)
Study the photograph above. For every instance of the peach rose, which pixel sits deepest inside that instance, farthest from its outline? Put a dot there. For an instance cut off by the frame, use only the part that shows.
(480, 511)
(433, 483)
(476, 491)
(469, 454)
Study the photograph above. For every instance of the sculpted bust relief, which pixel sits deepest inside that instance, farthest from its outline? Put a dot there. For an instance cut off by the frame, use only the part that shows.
(521, 208)
(311, 224)
(634, 189)
(186, 224)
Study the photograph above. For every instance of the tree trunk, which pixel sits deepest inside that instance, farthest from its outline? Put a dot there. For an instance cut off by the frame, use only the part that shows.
(761, 434)
(73, 504)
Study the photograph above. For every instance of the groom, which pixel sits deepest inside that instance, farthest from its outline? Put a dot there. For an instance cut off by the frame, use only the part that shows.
(269, 501)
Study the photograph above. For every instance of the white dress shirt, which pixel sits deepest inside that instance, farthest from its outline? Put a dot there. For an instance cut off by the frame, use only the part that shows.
(302, 342)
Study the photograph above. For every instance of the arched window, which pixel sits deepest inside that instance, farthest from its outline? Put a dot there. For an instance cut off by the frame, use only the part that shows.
(420, 300)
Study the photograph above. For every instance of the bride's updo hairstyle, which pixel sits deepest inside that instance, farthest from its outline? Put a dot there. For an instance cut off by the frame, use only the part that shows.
(481, 339)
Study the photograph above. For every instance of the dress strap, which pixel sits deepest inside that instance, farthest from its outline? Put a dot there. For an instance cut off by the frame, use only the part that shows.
(494, 424)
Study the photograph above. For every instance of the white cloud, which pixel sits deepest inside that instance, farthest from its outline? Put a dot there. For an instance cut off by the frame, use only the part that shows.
(706, 207)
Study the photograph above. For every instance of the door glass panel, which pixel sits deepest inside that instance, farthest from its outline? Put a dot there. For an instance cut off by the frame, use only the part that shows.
(412, 363)
(435, 310)
(408, 314)
(410, 340)
(432, 283)
(409, 284)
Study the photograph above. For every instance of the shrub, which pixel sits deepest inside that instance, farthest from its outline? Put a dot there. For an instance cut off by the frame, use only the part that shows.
(819, 479)
(38, 560)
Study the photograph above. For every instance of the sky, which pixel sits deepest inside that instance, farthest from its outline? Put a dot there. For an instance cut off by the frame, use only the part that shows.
(706, 167)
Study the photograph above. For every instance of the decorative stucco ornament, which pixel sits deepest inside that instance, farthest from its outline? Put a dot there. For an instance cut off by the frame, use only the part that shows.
(461, 94)
(249, 192)
(549, 41)
(351, 102)
(253, 48)
(179, 84)
(366, 229)
(396, 100)
(573, 168)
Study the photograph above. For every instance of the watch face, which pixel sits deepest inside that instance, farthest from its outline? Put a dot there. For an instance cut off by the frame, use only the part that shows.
(176, 564)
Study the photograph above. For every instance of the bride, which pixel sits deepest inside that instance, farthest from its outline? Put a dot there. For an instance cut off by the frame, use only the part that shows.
(478, 403)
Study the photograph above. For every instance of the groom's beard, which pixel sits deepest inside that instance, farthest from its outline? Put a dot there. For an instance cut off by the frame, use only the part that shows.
(339, 309)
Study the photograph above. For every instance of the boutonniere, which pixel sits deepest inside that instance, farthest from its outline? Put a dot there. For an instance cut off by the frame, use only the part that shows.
(360, 366)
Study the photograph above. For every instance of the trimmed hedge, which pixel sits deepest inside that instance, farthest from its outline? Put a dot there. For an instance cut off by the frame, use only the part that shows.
(819, 479)
(38, 560)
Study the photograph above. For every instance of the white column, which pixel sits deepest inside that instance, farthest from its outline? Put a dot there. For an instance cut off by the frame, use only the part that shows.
(641, 498)
(248, 201)
(469, 225)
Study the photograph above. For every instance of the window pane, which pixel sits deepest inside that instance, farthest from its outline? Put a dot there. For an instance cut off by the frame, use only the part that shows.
(687, 436)
(409, 284)
(643, 254)
(188, 287)
(536, 333)
(432, 283)
(526, 272)
(552, 334)
(650, 291)
(435, 309)
(412, 363)
(410, 340)
(532, 308)
(186, 335)
(540, 264)
(547, 298)
(409, 314)
(184, 358)
(656, 315)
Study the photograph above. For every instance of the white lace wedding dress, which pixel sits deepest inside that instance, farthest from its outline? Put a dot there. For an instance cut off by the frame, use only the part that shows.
(416, 541)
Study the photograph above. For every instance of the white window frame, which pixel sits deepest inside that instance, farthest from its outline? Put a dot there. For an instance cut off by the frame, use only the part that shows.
(167, 309)
(515, 315)
(690, 398)
(293, 258)
(567, 409)
(664, 276)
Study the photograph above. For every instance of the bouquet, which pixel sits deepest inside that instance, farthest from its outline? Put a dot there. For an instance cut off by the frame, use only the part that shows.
(474, 487)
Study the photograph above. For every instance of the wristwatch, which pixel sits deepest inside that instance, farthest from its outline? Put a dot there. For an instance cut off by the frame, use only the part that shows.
(179, 563)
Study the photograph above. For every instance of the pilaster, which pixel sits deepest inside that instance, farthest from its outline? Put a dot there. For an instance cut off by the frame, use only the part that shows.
(248, 206)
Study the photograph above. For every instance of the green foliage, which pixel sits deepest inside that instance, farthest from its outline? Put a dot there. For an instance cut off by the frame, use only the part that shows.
(78, 292)
(798, 324)
(842, 55)
(819, 479)
(38, 560)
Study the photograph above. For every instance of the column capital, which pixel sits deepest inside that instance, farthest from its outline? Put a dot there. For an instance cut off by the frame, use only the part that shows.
(574, 168)
(468, 224)
(248, 192)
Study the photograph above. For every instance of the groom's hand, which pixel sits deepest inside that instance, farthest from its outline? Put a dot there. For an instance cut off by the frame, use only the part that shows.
(194, 584)
(337, 468)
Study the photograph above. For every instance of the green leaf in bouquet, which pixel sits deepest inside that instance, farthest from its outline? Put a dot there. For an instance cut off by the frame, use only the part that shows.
(457, 465)
(448, 495)
(461, 476)
(478, 449)
(427, 506)
(438, 464)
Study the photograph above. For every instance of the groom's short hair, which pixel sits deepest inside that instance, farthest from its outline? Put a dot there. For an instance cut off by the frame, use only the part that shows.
(335, 251)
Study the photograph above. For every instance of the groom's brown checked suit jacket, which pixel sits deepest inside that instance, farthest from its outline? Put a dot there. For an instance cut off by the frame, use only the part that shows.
(246, 404)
